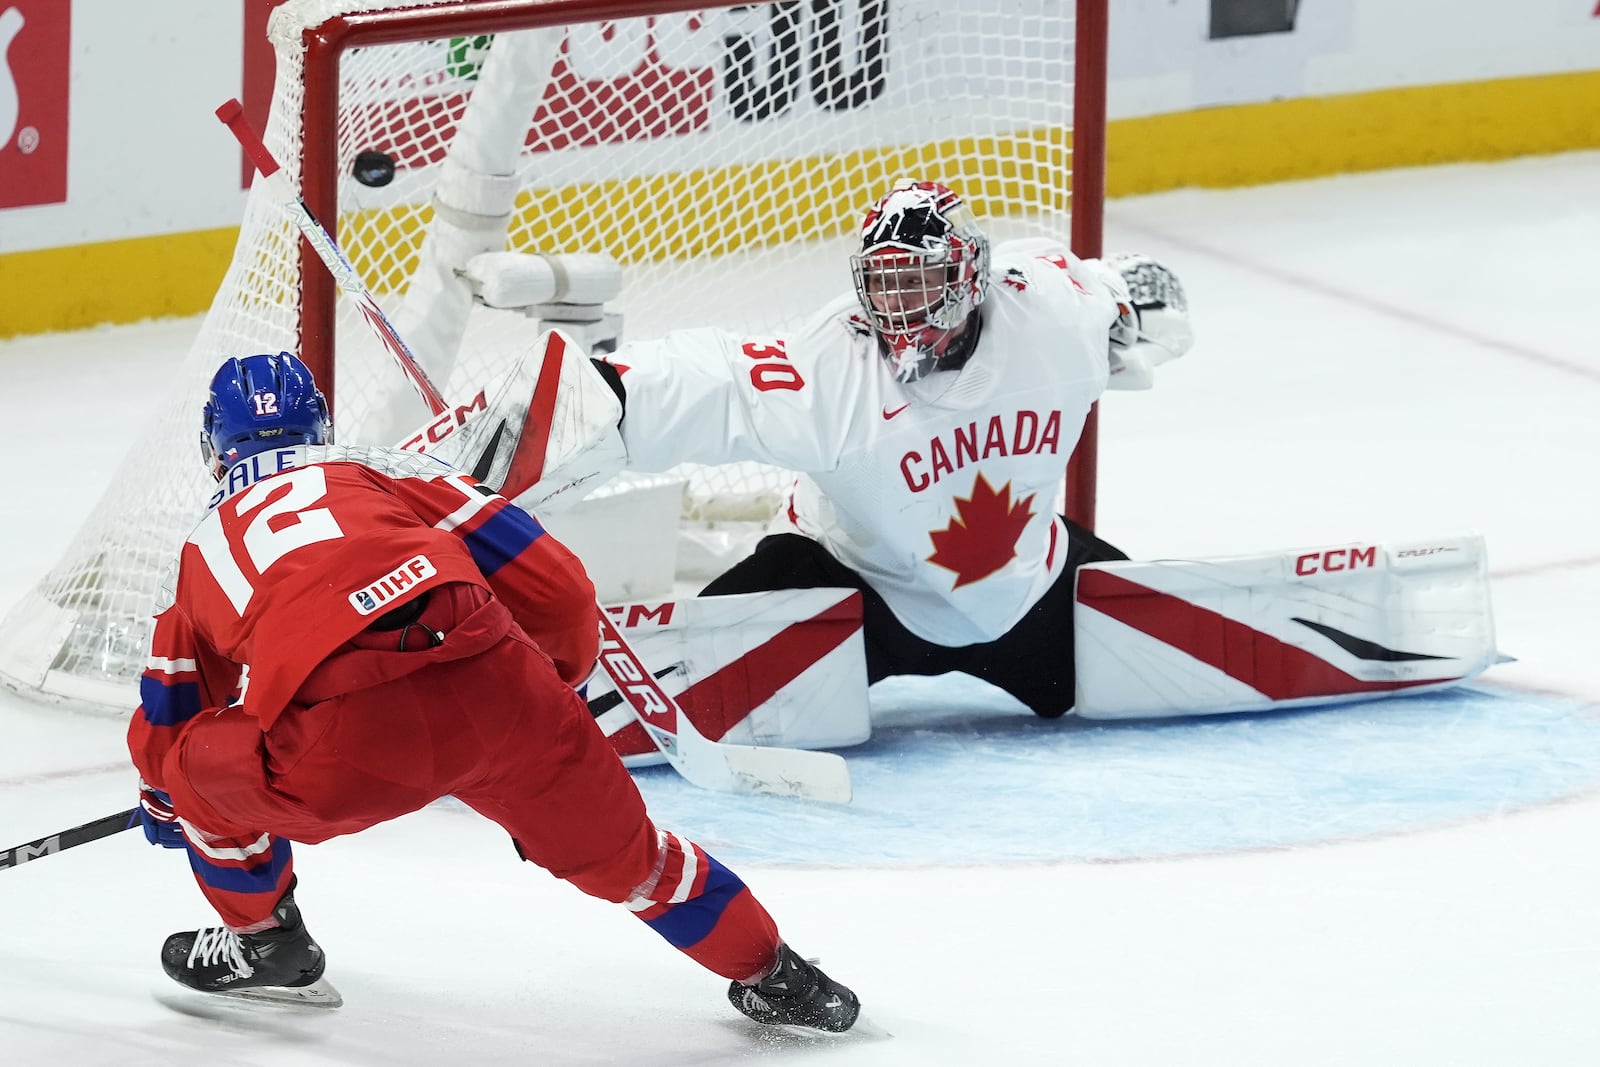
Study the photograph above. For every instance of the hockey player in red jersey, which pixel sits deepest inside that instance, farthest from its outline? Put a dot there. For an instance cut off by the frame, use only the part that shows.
(354, 633)
(931, 415)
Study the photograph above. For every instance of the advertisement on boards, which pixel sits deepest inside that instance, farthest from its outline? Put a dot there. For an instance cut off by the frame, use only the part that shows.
(35, 46)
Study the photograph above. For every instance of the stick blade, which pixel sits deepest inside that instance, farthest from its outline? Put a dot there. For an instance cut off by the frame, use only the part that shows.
(784, 772)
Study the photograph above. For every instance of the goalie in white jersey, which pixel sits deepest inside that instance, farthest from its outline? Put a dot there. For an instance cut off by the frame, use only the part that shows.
(931, 415)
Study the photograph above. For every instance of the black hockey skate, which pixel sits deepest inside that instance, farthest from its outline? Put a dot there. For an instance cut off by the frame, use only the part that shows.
(281, 964)
(797, 993)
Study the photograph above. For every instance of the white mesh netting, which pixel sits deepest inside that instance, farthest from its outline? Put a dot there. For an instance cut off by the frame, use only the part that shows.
(723, 156)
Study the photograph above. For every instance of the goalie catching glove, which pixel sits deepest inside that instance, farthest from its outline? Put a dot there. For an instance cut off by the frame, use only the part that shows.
(1153, 325)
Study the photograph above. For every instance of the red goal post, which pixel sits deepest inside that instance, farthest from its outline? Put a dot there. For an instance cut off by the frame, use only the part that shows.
(721, 154)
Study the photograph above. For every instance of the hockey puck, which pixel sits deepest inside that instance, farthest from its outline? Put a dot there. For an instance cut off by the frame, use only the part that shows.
(373, 168)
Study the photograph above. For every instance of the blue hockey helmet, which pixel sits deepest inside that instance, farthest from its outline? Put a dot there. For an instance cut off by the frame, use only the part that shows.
(261, 402)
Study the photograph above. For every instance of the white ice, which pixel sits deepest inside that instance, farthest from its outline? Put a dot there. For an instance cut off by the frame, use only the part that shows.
(1386, 356)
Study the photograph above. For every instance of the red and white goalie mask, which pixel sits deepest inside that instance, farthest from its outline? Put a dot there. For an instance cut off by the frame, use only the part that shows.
(922, 271)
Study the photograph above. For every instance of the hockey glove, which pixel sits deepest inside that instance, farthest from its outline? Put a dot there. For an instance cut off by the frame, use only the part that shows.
(1160, 311)
(158, 820)
(1152, 325)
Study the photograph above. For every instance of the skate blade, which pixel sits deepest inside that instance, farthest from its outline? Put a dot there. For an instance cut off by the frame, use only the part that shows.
(863, 1029)
(866, 1028)
(319, 994)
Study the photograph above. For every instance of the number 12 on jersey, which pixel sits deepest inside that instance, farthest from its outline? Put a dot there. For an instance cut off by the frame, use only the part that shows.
(263, 544)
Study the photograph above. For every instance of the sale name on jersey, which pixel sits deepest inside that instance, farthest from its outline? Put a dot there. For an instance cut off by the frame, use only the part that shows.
(392, 586)
(252, 469)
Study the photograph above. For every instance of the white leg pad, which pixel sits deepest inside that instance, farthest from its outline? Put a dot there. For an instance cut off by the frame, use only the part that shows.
(784, 668)
(1251, 633)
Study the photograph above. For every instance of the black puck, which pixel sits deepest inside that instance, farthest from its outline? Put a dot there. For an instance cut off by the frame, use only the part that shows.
(373, 168)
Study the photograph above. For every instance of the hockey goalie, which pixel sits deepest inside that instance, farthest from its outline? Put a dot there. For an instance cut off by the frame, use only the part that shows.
(930, 414)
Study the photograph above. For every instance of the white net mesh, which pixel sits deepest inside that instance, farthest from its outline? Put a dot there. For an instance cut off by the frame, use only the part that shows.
(722, 156)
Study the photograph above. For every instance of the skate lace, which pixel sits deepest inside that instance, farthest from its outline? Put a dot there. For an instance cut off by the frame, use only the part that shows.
(218, 944)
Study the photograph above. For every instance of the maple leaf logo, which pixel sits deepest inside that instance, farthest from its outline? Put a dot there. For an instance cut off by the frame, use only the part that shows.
(983, 537)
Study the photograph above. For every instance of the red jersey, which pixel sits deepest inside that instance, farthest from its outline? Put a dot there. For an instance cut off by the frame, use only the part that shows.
(305, 547)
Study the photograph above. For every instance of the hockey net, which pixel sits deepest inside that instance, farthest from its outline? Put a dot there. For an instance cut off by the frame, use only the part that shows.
(721, 155)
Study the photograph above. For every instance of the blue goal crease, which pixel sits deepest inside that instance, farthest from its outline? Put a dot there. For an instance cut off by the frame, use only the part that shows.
(954, 776)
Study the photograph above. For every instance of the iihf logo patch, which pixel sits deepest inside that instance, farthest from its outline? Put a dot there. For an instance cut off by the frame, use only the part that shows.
(375, 595)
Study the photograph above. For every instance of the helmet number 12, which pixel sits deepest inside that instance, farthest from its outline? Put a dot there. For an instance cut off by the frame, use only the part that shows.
(263, 544)
(266, 403)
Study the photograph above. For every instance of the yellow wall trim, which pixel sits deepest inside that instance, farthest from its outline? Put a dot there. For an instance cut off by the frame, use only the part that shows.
(80, 286)
(1310, 137)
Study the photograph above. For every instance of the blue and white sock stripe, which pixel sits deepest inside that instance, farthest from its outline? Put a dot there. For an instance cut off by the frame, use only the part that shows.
(687, 894)
(255, 868)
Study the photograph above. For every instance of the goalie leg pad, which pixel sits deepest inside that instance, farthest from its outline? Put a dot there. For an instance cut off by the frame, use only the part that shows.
(784, 668)
(1251, 633)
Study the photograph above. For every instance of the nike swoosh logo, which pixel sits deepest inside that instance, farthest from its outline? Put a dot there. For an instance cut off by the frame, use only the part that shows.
(887, 414)
(1360, 647)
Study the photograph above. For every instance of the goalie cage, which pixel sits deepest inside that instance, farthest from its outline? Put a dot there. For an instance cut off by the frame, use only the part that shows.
(721, 155)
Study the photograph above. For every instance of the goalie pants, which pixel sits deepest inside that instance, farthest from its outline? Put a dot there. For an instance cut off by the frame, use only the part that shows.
(480, 715)
(1033, 661)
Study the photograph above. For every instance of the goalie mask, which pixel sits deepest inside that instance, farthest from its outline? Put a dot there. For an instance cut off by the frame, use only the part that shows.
(259, 403)
(921, 273)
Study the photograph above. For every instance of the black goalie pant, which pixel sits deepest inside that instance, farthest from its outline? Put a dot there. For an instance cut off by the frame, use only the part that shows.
(1033, 661)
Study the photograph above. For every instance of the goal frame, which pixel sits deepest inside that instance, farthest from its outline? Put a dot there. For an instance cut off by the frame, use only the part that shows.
(80, 636)
(325, 44)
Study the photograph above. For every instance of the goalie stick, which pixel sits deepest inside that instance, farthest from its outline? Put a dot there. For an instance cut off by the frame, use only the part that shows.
(700, 760)
(65, 839)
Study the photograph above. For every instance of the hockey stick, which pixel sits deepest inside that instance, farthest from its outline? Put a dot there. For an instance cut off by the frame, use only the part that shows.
(65, 839)
(710, 764)
(344, 275)
(703, 762)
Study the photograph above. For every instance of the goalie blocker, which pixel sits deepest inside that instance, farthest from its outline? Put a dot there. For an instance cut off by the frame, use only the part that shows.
(545, 433)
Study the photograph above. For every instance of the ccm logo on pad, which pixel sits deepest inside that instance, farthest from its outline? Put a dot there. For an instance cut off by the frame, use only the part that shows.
(388, 588)
(1335, 559)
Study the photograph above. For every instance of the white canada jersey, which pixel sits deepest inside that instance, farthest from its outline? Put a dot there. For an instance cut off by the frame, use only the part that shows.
(941, 492)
